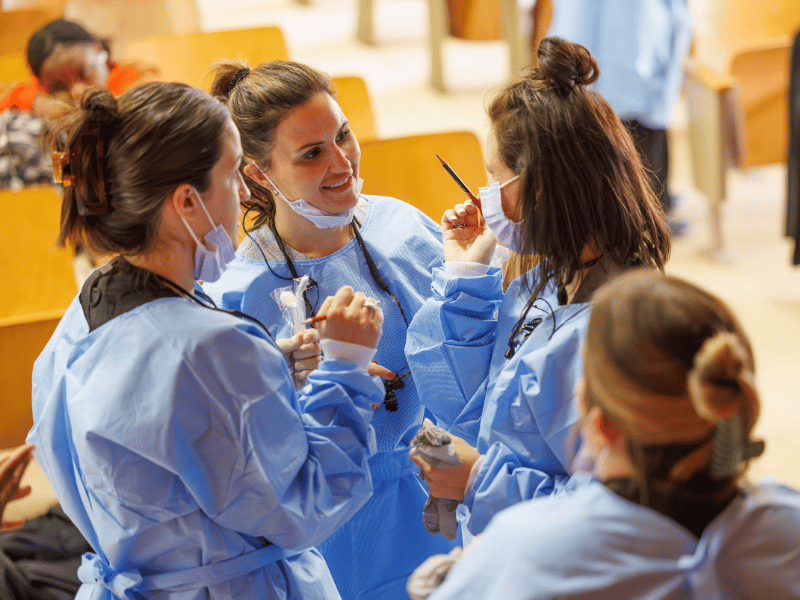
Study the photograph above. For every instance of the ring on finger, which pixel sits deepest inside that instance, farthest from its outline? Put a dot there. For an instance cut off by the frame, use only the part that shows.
(459, 225)
(371, 304)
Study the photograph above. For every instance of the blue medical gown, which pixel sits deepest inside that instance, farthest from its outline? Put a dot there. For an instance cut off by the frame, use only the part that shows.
(173, 438)
(373, 554)
(518, 412)
(640, 46)
(593, 544)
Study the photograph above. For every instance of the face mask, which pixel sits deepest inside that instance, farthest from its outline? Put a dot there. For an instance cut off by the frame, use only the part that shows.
(213, 253)
(319, 218)
(506, 231)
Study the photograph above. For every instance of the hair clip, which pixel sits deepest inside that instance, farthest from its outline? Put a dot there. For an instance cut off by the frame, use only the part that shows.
(62, 170)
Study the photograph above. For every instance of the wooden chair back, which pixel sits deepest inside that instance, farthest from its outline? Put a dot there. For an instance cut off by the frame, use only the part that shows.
(14, 67)
(37, 274)
(761, 78)
(22, 339)
(407, 168)
(353, 97)
(188, 57)
(16, 26)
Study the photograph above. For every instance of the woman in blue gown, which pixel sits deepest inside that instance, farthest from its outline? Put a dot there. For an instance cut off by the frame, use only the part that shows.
(311, 220)
(170, 430)
(568, 193)
(668, 408)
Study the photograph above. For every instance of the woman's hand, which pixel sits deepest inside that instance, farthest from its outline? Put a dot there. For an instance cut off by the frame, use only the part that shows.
(380, 371)
(449, 482)
(12, 467)
(465, 236)
(351, 317)
(303, 352)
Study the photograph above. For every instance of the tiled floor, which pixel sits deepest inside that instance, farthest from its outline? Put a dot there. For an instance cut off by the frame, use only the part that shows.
(759, 283)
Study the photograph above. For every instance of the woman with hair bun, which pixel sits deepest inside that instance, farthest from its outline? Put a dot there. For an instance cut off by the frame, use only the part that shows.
(170, 429)
(301, 164)
(568, 194)
(667, 411)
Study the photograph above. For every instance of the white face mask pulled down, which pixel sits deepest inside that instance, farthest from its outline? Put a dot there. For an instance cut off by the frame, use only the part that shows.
(507, 232)
(213, 252)
(320, 218)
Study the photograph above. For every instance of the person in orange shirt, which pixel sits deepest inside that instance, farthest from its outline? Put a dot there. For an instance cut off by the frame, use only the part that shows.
(66, 60)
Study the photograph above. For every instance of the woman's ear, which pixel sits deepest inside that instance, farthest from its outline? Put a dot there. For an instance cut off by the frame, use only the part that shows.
(604, 426)
(253, 171)
(182, 202)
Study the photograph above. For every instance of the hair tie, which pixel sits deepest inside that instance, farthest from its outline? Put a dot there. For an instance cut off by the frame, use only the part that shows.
(242, 73)
(721, 363)
(62, 170)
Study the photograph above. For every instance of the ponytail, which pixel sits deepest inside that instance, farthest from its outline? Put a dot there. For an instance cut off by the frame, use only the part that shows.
(122, 158)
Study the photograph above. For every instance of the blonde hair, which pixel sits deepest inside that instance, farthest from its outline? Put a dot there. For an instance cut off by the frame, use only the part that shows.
(667, 362)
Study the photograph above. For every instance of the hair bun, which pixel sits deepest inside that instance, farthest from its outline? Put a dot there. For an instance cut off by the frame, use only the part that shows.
(721, 381)
(565, 64)
(100, 104)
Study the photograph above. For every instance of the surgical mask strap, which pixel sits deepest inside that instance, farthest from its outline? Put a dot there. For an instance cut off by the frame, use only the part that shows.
(502, 185)
(205, 210)
(272, 183)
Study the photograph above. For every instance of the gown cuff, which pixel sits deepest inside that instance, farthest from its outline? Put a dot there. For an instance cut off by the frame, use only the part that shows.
(465, 269)
(473, 475)
(361, 355)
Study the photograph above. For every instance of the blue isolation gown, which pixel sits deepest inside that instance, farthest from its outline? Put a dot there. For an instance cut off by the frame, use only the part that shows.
(175, 441)
(519, 412)
(373, 554)
(640, 47)
(592, 544)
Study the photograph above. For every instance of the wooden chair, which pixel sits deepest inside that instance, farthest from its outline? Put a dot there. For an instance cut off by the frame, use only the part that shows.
(187, 58)
(14, 67)
(16, 26)
(38, 276)
(407, 168)
(738, 114)
(22, 339)
(353, 97)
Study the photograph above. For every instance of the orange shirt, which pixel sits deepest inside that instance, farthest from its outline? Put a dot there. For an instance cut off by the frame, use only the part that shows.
(120, 79)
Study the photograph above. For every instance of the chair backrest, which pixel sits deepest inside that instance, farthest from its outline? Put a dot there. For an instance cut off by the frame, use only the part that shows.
(16, 26)
(353, 98)
(474, 19)
(187, 57)
(14, 67)
(37, 274)
(22, 339)
(761, 78)
(727, 28)
(407, 168)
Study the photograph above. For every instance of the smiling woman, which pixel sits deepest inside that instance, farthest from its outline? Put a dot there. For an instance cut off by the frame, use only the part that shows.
(302, 164)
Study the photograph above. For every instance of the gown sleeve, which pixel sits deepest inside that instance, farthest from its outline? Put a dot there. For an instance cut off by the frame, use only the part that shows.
(529, 423)
(450, 342)
(263, 465)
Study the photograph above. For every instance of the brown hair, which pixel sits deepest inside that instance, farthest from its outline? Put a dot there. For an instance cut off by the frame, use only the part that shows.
(666, 362)
(128, 154)
(581, 178)
(259, 99)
